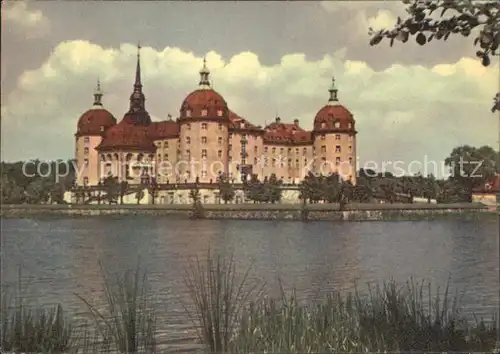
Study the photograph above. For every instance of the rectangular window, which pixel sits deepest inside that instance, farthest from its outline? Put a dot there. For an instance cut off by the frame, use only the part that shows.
(203, 139)
(204, 126)
(188, 126)
(323, 149)
(204, 112)
(273, 163)
(350, 148)
(282, 151)
(165, 145)
(86, 140)
(337, 137)
(350, 160)
(323, 137)
(297, 164)
(86, 151)
(265, 149)
(219, 140)
(219, 153)
(165, 156)
(188, 140)
(273, 150)
(203, 174)
(337, 148)
(337, 161)
(203, 153)
(220, 124)
(289, 162)
(304, 151)
(297, 151)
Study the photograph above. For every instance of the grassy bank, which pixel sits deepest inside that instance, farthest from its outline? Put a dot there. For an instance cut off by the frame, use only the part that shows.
(233, 314)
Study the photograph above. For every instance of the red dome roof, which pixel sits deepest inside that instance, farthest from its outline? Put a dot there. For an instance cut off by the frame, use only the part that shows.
(201, 99)
(95, 121)
(329, 115)
(127, 136)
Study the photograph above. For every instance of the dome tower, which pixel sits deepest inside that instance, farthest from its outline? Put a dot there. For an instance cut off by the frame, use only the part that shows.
(204, 121)
(334, 139)
(91, 128)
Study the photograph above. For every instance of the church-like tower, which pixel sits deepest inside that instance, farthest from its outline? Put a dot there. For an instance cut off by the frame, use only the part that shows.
(137, 113)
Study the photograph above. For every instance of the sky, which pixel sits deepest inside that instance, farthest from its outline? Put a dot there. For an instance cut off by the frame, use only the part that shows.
(410, 102)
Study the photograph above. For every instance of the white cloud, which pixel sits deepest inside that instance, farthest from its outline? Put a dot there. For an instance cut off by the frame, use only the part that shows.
(32, 23)
(403, 112)
(366, 14)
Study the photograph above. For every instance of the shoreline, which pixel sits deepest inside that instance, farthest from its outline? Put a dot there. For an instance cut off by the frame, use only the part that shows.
(313, 212)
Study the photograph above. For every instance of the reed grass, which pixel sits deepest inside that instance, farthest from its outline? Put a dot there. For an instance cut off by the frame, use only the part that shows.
(233, 315)
(27, 328)
(390, 318)
(218, 298)
(128, 323)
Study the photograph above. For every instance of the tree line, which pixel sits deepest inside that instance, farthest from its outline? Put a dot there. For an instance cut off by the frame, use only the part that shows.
(470, 167)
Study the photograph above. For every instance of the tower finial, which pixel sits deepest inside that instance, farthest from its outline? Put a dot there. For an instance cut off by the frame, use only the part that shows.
(98, 94)
(333, 93)
(204, 74)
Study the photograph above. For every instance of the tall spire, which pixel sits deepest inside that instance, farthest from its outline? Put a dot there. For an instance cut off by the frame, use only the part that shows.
(137, 99)
(98, 94)
(333, 93)
(137, 113)
(204, 74)
(138, 83)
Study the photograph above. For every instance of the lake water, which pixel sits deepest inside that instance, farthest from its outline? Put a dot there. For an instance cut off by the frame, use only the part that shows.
(60, 256)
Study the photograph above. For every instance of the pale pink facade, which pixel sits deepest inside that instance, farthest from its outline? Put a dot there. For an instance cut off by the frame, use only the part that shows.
(208, 139)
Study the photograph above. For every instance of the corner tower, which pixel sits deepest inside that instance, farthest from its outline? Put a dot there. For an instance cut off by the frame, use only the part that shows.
(91, 128)
(334, 139)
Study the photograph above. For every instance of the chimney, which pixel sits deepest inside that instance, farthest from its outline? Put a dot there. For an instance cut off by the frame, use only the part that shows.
(278, 119)
(296, 122)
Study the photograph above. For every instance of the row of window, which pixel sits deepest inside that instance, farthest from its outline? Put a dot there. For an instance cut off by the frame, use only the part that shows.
(204, 113)
(204, 126)
(336, 125)
(337, 148)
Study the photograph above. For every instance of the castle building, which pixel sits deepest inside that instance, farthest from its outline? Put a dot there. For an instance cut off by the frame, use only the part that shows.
(209, 139)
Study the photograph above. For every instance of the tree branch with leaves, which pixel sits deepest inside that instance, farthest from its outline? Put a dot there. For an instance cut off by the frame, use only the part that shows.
(438, 20)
